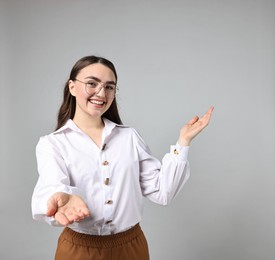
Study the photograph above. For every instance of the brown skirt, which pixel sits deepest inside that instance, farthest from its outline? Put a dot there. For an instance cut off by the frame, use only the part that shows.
(130, 244)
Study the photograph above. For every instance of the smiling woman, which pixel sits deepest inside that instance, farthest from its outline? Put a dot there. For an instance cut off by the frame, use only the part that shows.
(94, 92)
(68, 107)
(94, 171)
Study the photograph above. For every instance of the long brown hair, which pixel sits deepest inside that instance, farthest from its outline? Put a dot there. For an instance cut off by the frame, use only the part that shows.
(67, 108)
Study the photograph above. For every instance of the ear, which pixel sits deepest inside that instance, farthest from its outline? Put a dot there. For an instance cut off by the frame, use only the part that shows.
(71, 86)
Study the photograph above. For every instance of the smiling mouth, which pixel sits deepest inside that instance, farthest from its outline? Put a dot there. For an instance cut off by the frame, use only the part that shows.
(96, 102)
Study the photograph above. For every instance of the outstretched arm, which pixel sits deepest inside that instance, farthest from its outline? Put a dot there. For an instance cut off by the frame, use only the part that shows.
(194, 127)
(66, 208)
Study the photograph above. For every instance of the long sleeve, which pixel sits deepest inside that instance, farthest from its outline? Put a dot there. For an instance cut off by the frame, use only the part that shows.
(161, 182)
(53, 177)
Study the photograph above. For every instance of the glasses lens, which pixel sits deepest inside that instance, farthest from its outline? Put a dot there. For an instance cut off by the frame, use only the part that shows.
(95, 87)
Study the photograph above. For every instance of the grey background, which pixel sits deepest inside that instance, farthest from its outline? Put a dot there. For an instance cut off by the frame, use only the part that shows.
(174, 60)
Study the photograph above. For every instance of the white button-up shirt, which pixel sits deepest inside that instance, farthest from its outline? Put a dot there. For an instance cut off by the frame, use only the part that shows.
(111, 180)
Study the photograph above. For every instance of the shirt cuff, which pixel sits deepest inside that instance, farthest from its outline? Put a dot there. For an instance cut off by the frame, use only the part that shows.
(180, 151)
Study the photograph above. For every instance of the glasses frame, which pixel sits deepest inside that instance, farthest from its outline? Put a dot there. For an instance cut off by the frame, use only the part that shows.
(102, 85)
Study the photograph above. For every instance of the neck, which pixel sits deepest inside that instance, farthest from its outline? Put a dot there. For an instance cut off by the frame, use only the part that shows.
(90, 123)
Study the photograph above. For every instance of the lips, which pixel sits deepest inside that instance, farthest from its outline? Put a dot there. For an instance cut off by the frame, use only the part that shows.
(97, 102)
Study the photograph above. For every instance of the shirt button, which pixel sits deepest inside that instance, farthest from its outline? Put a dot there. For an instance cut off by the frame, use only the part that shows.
(105, 163)
(107, 181)
(176, 151)
(109, 202)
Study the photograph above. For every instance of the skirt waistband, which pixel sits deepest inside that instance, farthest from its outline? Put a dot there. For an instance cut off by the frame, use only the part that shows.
(101, 241)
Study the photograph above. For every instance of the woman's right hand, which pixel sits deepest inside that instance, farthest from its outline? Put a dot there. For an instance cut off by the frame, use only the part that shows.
(67, 208)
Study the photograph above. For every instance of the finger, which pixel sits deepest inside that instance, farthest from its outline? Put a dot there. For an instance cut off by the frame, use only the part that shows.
(82, 213)
(210, 110)
(85, 212)
(74, 218)
(207, 116)
(193, 120)
(62, 219)
(78, 212)
(51, 207)
(69, 217)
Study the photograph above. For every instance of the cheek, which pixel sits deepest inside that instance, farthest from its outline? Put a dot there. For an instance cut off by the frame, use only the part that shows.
(110, 102)
(80, 94)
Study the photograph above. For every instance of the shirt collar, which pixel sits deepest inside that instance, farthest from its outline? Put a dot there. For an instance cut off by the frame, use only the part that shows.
(68, 125)
(109, 126)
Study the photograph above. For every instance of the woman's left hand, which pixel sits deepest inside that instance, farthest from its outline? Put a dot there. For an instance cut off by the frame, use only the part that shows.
(194, 127)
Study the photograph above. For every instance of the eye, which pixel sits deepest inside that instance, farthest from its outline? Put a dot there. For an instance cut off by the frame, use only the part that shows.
(92, 84)
(110, 87)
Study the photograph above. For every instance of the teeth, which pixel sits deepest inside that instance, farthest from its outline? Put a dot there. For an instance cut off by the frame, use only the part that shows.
(97, 102)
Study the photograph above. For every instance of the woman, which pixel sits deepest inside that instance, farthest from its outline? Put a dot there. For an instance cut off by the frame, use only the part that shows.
(94, 171)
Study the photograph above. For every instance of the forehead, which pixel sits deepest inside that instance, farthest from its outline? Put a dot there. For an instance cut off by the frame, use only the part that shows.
(99, 71)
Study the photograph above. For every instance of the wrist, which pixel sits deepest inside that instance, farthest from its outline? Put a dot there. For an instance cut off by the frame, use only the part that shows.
(184, 142)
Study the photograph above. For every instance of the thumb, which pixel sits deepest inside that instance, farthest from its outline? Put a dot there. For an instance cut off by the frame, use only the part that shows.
(51, 206)
(193, 120)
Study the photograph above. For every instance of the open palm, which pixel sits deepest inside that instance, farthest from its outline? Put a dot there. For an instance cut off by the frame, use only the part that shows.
(67, 208)
(194, 127)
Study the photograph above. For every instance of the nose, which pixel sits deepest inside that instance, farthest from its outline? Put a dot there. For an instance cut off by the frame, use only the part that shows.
(101, 90)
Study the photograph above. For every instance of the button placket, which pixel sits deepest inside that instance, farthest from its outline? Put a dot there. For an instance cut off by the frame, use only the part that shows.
(106, 179)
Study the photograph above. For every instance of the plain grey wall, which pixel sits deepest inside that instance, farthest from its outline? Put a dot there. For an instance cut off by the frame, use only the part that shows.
(174, 60)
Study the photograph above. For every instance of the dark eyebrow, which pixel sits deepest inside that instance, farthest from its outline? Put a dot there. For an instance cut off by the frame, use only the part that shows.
(98, 80)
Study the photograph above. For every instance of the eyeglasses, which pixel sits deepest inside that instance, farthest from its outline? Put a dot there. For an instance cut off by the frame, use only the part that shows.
(95, 85)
